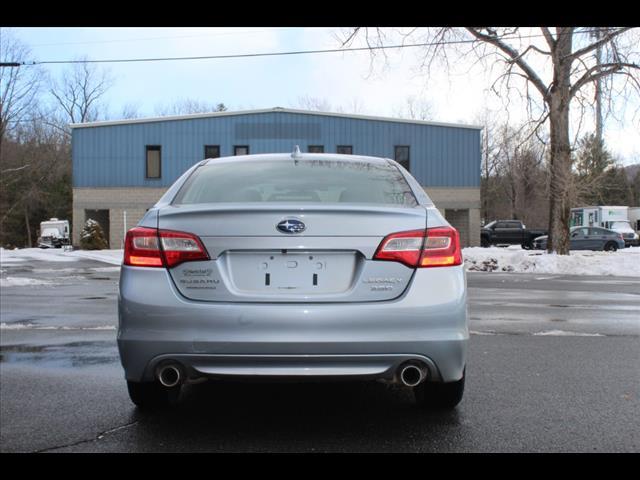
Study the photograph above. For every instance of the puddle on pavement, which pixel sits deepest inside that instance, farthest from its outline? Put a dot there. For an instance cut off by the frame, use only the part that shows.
(74, 354)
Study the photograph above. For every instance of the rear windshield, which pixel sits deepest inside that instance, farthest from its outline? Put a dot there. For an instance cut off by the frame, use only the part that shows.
(304, 181)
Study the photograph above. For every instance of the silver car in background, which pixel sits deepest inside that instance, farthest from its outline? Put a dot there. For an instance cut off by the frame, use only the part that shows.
(294, 266)
(587, 238)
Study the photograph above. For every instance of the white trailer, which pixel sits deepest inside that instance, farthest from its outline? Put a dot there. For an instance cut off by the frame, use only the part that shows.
(54, 233)
(634, 218)
(614, 218)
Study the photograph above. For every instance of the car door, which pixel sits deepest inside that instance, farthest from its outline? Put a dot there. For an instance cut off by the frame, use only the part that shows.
(579, 239)
(597, 238)
(513, 232)
(502, 233)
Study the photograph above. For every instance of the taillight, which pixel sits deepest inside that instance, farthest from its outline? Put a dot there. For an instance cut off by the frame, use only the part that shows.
(433, 247)
(179, 247)
(148, 247)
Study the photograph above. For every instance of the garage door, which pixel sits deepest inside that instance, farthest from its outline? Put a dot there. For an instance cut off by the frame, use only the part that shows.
(459, 218)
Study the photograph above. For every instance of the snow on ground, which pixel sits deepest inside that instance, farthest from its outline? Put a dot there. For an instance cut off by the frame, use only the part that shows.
(31, 326)
(564, 333)
(114, 257)
(21, 282)
(624, 262)
(17, 256)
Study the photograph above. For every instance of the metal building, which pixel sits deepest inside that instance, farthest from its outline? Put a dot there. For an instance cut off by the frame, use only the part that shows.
(121, 168)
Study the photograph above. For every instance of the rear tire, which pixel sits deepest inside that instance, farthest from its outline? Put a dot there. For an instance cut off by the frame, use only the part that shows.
(484, 243)
(152, 394)
(610, 247)
(434, 395)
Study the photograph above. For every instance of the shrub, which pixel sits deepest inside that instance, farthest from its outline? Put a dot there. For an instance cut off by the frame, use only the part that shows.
(92, 236)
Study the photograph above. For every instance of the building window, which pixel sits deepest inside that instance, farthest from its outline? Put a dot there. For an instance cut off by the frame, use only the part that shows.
(154, 163)
(211, 151)
(316, 149)
(345, 149)
(241, 150)
(402, 156)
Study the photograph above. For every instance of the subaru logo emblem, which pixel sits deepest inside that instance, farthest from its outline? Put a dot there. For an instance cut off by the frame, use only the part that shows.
(291, 225)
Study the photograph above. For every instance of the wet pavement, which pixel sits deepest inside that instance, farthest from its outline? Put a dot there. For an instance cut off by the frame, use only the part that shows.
(553, 366)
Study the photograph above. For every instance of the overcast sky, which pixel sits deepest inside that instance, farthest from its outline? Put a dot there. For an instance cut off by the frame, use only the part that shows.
(342, 79)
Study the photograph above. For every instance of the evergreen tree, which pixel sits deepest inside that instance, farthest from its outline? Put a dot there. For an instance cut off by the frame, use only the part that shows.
(92, 236)
(593, 158)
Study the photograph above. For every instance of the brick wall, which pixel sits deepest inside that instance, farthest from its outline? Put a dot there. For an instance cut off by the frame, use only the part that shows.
(135, 201)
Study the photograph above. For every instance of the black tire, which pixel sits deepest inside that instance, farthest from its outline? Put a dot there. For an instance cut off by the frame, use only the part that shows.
(152, 394)
(484, 243)
(610, 247)
(435, 395)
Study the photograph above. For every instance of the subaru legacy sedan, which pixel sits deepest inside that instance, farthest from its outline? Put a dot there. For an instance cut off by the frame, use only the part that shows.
(296, 267)
(588, 238)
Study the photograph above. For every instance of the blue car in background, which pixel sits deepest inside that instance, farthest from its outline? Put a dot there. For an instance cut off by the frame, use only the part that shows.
(588, 238)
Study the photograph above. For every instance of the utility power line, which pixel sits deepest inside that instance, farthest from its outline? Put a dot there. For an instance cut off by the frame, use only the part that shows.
(274, 54)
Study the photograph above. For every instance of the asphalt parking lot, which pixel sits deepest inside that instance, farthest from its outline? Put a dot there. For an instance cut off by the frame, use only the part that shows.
(554, 365)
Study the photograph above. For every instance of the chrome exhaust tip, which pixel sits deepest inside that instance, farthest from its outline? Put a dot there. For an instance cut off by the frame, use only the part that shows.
(170, 375)
(412, 375)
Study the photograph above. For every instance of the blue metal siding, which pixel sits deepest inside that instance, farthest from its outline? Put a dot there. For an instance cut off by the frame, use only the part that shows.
(114, 155)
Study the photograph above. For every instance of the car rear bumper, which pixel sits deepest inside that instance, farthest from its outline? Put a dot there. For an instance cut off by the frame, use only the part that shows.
(428, 323)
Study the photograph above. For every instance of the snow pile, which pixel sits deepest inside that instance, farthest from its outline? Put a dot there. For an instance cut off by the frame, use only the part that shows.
(625, 262)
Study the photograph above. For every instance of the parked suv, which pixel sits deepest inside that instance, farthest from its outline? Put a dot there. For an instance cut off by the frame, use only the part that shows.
(303, 266)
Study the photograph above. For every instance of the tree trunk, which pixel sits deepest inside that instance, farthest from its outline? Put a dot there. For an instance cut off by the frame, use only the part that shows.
(514, 199)
(560, 148)
(26, 222)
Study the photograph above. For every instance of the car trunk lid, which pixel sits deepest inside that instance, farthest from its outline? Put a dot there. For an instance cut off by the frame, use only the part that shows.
(252, 261)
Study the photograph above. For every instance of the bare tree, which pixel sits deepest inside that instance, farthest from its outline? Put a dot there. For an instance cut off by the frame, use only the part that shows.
(308, 102)
(186, 106)
(35, 181)
(78, 92)
(354, 106)
(130, 111)
(568, 62)
(415, 108)
(19, 86)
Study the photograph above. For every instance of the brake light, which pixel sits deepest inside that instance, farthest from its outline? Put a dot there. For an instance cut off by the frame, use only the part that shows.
(149, 247)
(433, 247)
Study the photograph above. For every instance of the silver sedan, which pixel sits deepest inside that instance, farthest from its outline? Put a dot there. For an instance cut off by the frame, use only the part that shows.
(296, 266)
(588, 238)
